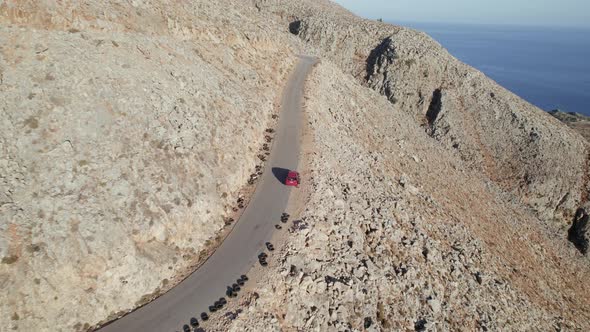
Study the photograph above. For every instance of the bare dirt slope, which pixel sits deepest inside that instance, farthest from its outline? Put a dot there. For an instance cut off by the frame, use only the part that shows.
(440, 200)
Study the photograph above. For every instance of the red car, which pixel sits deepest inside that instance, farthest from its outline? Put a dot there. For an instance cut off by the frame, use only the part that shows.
(293, 179)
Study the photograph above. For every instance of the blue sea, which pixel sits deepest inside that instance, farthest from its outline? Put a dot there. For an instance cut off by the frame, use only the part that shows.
(549, 67)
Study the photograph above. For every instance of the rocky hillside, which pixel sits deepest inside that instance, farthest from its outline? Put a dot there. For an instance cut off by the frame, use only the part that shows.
(398, 235)
(437, 199)
(119, 154)
(576, 121)
(490, 129)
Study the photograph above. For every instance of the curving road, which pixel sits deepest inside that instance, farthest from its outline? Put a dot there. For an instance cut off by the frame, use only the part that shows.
(238, 253)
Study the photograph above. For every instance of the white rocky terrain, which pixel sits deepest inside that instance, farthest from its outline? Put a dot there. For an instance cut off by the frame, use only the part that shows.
(491, 130)
(576, 121)
(119, 153)
(399, 235)
(434, 198)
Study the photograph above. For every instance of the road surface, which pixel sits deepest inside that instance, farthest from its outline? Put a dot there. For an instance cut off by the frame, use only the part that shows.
(239, 252)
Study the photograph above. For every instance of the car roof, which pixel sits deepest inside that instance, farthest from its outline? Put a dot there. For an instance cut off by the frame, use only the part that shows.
(292, 173)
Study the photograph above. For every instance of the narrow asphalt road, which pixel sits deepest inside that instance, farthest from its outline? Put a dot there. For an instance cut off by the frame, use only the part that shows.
(238, 253)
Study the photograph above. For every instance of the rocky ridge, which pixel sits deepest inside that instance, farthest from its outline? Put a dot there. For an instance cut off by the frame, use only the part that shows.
(526, 153)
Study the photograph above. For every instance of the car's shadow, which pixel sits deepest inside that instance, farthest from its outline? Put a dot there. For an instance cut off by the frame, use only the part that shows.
(280, 174)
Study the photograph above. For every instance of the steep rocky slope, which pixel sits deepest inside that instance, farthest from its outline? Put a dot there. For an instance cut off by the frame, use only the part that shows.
(399, 235)
(525, 152)
(438, 200)
(119, 154)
